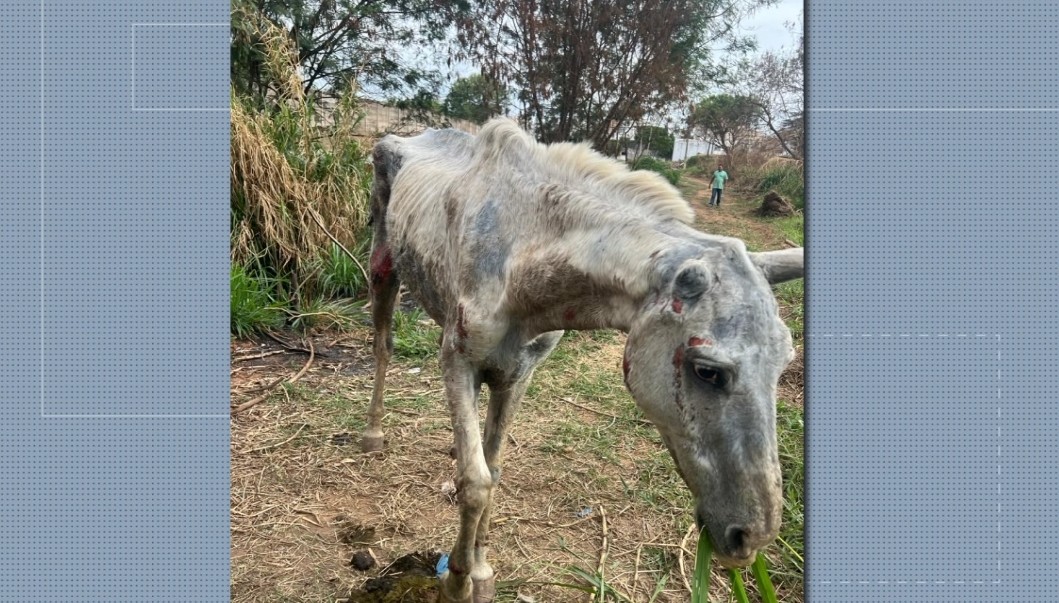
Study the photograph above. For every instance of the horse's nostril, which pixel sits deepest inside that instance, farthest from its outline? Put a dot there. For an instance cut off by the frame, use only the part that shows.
(737, 539)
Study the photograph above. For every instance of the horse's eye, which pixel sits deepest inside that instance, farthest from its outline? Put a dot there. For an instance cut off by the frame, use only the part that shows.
(710, 375)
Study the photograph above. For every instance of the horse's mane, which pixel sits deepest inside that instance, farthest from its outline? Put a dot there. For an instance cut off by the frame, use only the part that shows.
(501, 141)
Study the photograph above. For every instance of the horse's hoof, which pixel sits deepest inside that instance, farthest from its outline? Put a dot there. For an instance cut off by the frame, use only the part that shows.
(484, 590)
(371, 444)
(461, 585)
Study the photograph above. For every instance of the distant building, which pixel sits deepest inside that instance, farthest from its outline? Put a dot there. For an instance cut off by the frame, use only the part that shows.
(686, 148)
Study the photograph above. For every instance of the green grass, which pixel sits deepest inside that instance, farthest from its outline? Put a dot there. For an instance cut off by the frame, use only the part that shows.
(786, 180)
(791, 295)
(339, 274)
(793, 227)
(414, 336)
(255, 306)
(322, 312)
(700, 587)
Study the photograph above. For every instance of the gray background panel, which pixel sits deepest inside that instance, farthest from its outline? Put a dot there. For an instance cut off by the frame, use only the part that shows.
(931, 466)
(113, 308)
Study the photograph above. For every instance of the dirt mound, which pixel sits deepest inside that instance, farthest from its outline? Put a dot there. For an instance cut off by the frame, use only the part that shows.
(775, 206)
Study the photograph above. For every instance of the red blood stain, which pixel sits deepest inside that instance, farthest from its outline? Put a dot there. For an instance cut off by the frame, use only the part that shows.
(381, 265)
(569, 314)
(678, 357)
(697, 341)
(456, 569)
(678, 306)
(678, 371)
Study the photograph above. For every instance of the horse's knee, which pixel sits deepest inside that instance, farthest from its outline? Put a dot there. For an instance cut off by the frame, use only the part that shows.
(475, 493)
(383, 344)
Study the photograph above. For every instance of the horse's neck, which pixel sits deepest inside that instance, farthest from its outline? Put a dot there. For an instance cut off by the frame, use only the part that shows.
(597, 278)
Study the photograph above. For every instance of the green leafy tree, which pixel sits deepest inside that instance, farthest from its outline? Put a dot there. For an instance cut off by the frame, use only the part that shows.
(423, 107)
(655, 139)
(339, 43)
(475, 98)
(725, 120)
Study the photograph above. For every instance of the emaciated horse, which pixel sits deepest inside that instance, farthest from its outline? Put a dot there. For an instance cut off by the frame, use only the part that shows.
(506, 243)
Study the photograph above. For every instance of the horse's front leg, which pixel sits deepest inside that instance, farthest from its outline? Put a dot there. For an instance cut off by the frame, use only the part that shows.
(473, 479)
(503, 404)
(505, 398)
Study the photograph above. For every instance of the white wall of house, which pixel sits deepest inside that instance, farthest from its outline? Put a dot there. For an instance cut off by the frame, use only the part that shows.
(684, 148)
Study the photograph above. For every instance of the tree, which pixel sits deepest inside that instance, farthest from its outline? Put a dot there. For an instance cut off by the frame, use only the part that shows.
(725, 120)
(655, 139)
(774, 82)
(338, 43)
(792, 133)
(422, 107)
(475, 98)
(581, 69)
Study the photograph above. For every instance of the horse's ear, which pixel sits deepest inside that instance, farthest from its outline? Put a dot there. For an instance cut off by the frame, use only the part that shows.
(691, 282)
(780, 266)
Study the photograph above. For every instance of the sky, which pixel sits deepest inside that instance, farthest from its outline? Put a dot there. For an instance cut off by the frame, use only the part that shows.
(768, 25)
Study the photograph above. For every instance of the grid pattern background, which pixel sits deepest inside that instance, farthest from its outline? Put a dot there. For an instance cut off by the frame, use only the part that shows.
(114, 306)
(931, 469)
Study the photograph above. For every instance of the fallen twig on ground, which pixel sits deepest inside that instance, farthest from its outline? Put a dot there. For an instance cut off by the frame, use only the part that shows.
(276, 445)
(261, 398)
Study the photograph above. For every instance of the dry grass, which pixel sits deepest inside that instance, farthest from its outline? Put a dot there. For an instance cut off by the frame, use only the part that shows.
(289, 177)
(300, 504)
(275, 198)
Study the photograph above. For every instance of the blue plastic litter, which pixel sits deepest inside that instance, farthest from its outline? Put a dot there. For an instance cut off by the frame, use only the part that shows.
(585, 512)
(443, 565)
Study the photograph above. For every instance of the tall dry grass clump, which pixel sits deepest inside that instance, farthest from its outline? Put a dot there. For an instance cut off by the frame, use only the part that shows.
(294, 182)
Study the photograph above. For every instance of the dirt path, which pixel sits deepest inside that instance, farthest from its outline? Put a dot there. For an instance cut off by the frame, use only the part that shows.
(735, 216)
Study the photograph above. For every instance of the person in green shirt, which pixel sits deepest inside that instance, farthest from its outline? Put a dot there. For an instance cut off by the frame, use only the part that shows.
(719, 177)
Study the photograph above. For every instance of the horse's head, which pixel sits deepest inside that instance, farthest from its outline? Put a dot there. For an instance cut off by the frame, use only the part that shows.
(702, 361)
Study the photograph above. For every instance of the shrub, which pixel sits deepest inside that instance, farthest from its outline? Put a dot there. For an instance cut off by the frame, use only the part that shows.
(254, 304)
(785, 179)
(294, 175)
(659, 166)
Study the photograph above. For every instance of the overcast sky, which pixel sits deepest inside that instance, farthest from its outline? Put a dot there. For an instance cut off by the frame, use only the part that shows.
(768, 25)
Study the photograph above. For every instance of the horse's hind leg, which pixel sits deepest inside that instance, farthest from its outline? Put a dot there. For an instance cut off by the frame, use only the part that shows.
(384, 289)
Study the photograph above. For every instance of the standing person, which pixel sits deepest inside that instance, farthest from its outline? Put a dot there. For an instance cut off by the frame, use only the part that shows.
(719, 177)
